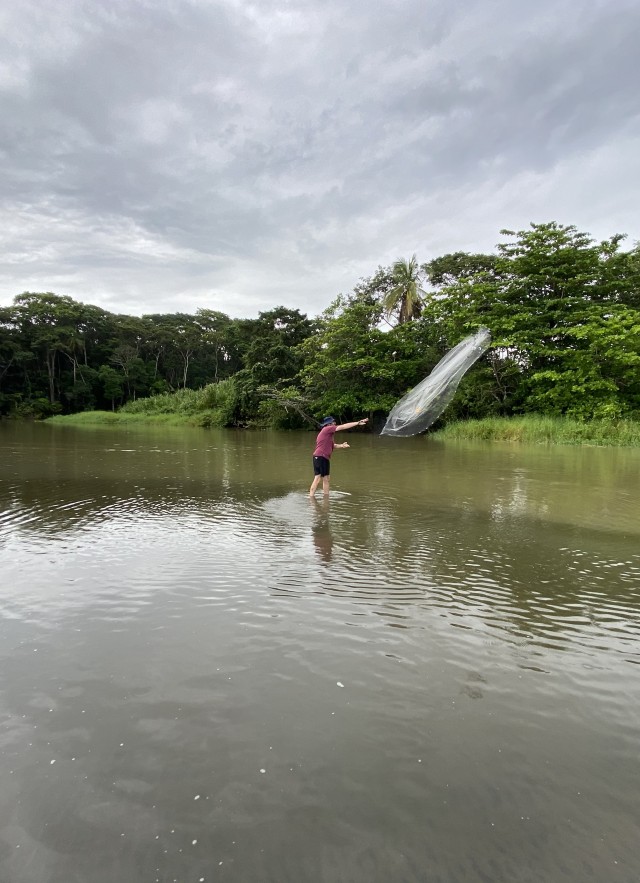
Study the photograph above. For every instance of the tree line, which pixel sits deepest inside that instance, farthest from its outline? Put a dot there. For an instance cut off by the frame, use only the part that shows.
(563, 311)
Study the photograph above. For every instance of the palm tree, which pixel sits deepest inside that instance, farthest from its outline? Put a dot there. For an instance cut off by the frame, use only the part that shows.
(404, 298)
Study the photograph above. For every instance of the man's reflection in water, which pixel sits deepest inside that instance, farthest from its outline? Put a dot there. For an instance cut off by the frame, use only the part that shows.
(321, 529)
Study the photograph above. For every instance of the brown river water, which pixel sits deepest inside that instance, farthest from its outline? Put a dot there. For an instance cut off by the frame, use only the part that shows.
(432, 676)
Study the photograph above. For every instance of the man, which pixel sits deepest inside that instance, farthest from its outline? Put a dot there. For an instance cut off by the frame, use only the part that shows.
(324, 448)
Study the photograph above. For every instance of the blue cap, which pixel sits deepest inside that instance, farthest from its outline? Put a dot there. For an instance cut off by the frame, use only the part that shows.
(328, 420)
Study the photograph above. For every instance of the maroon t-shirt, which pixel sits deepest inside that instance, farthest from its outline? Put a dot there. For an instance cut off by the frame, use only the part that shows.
(324, 442)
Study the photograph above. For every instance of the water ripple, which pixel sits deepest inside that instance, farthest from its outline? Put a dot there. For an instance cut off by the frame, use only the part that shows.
(224, 668)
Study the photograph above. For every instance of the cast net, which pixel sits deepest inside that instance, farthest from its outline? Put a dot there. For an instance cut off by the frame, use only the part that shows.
(422, 405)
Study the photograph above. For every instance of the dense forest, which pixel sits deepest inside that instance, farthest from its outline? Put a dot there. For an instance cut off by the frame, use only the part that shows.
(563, 311)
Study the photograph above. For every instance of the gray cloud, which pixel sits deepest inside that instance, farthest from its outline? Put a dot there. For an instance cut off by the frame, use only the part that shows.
(174, 154)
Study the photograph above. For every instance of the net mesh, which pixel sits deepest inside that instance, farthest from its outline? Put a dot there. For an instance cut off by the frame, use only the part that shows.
(422, 405)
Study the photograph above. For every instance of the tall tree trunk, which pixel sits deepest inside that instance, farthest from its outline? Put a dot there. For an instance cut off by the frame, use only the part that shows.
(51, 368)
(187, 359)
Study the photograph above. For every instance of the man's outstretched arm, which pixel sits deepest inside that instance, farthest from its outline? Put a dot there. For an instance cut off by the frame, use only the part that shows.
(351, 425)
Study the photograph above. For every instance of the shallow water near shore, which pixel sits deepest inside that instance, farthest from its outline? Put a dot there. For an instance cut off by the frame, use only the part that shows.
(431, 676)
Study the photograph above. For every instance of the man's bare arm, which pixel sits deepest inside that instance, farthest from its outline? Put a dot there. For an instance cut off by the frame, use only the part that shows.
(351, 425)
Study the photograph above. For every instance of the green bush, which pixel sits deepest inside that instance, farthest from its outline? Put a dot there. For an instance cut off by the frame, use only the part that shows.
(212, 405)
(33, 409)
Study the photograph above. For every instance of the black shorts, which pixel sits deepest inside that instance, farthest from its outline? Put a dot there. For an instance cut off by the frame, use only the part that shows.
(321, 466)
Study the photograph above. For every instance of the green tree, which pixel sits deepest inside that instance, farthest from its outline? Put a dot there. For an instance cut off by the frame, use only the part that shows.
(547, 300)
(353, 366)
(220, 360)
(404, 297)
(451, 268)
(269, 347)
(112, 384)
(183, 338)
(50, 325)
(272, 354)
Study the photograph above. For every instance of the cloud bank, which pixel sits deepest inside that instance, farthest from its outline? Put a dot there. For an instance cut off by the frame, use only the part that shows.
(176, 154)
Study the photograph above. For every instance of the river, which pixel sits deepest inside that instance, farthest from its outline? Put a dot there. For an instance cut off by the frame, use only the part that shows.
(431, 676)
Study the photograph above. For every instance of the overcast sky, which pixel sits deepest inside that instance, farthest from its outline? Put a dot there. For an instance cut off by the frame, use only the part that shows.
(167, 155)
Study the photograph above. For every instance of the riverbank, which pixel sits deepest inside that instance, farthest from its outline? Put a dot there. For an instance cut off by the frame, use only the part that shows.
(121, 418)
(532, 429)
(538, 429)
(210, 406)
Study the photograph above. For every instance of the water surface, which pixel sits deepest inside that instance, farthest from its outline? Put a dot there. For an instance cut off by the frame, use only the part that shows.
(432, 676)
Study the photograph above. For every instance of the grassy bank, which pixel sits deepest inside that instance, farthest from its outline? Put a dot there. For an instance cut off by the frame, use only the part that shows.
(538, 429)
(120, 418)
(210, 406)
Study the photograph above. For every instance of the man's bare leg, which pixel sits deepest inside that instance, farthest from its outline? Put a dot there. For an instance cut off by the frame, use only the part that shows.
(314, 485)
(325, 485)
